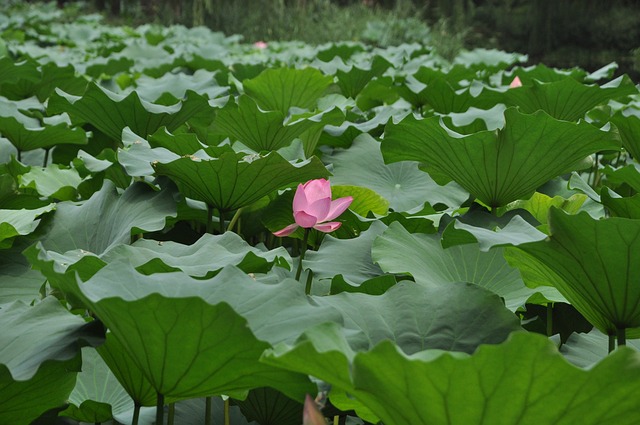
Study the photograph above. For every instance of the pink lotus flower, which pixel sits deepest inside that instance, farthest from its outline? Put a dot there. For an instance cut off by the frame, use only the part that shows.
(311, 414)
(515, 83)
(313, 208)
(260, 44)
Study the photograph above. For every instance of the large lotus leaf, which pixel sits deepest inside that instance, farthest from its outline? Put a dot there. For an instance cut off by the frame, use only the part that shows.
(442, 97)
(23, 401)
(503, 166)
(198, 346)
(353, 80)
(524, 380)
(19, 222)
(108, 219)
(267, 130)
(453, 317)
(422, 256)
(137, 154)
(516, 232)
(629, 128)
(98, 396)
(539, 204)
(18, 281)
(587, 349)
(349, 257)
(234, 180)
(54, 182)
(280, 89)
(364, 200)
(124, 369)
(207, 255)
(11, 72)
(619, 206)
(567, 99)
(29, 138)
(598, 265)
(267, 406)
(111, 113)
(33, 335)
(402, 184)
(201, 81)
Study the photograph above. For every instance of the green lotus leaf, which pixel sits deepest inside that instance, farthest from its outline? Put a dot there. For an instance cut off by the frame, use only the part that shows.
(23, 401)
(123, 368)
(108, 219)
(11, 72)
(539, 204)
(201, 81)
(267, 406)
(422, 256)
(503, 166)
(54, 182)
(516, 232)
(454, 317)
(19, 222)
(365, 200)
(596, 263)
(235, 180)
(349, 257)
(206, 256)
(354, 79)
(629, 128)
(18, 281)
(280, 89)
(111, 113)
(402, 184)
(542, 73)
(524, 380)
(587, 349)
(267, 130)
(619, 206)
(198, 346)
(29, 138)
(97, 396)
(567, 99)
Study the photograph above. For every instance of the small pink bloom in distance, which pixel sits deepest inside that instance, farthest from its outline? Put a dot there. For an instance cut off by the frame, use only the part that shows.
(515, 83)
(260, 44)
(313, 208)
(311, 414)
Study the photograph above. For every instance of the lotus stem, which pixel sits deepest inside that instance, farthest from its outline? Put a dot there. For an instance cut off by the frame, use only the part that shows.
(136, 413)
(307, 287)
(234, 220)
(46, 158)
(622, 337)
(160, 409)
(612, 343)
(207, 411)
(549, 319)
(172, 413)
(19, 155)
(227, 419)
(221, 215)
(303, 250)
(209, 228)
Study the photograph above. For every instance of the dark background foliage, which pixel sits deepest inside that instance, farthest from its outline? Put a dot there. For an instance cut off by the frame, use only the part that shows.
(561, 33)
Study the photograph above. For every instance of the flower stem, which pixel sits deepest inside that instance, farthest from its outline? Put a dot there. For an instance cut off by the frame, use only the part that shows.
(307, 287)
(303, 250)
(221, 221)
(234, 219)
(549, 319)
(227, 418)
(209, 228)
